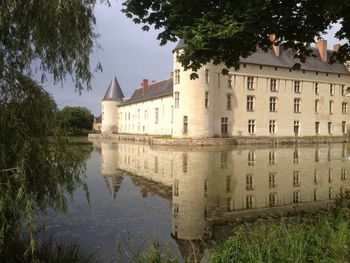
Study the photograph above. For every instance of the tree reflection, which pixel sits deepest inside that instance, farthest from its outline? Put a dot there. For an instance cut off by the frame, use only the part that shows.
(38, 166)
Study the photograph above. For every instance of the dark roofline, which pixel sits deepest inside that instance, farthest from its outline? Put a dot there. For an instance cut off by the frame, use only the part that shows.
(146, 99)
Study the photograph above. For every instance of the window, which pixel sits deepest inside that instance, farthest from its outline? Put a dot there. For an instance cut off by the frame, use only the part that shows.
(272, 179)
(273, 85)
(317, 127)
(224, 125)
(330, 192)
(176, 210)
(206, 75)
(228, 204)
(251, 126)
(296, 197)
(206, 188)
(343, 174)
(331, 103)
(185, 125)
(251, 158)
(344, 108)
(146, 115)
(223, 158)
(315, 195)
(297, 105)
(176, 187)
(296, 178)
(229, 105)
(330, 175)
(316, 88)
(250, 103)
(177, 99)
(316, 177)
(272, 159)
(249, 182)
(229, 81)
(184, 162)
(296, 156)
(250, 83)
(272, 126)
(206, 100)
(331, 89)
(342, 90)
(249, 201)
(329, 128)
(228, 184)
(156, 164)
(296, 127)
(272, 199)
(317, 106)
(343, 127)
(273, 104)
(156, 115)
(297, 88)
(177, 76)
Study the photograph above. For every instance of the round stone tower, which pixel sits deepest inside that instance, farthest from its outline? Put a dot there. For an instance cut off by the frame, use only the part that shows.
(193, 100)
(112, 99)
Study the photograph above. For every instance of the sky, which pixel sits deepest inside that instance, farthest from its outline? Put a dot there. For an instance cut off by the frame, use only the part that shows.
(127, 52)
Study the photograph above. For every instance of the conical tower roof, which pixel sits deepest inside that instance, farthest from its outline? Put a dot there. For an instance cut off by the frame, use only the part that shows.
(114, 92)
(180, 45)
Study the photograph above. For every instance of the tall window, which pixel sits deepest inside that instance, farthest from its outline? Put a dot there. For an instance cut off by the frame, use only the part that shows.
(249, 201)
(272, 179)
(177, 76)
(272, 126)
(296, 178)
(343, 127)
(317, 106)
(206, 75)
(273, 104)
(344, 108)
(317, 127)
(297, 88)
(297, 105)
(272, 158)
(251, 158)
(331, 103)
(176, 188)
(205, 188)
(184, 162)
(206, 100)
(249, 181)
(331, 89)
(229, 105)
(343, 90)
(273, 85)
(272, 199)
(250, 103)
(185, 125)
(250, 83)
(251, 126)
(229, 81)
(177, 98)
(296, 127)
(316, 88)
(329, 128)
(296, 197)
(156, 117)
(224, 125)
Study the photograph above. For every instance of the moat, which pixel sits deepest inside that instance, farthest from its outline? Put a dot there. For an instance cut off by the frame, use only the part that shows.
(187, 196)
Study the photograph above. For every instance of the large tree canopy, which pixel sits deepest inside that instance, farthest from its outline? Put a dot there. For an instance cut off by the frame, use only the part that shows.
(224, 31)
(78, 119)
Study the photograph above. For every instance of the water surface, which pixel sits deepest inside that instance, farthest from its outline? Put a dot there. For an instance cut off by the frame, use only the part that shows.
(187, 196)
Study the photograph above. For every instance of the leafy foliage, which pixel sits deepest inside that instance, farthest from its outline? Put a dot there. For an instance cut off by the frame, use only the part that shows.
(78, 119)
(223, 31)
(38, 167)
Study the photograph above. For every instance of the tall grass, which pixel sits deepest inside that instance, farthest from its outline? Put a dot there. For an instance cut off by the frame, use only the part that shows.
(321, 237)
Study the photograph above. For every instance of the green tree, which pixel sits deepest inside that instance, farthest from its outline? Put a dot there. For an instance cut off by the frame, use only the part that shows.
(38, 167)
(223, 31)
(78, 119)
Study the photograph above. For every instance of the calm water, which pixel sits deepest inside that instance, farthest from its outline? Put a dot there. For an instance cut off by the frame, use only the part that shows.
(189, 196)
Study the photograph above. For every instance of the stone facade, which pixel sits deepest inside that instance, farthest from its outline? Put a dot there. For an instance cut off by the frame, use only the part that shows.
(265, 97)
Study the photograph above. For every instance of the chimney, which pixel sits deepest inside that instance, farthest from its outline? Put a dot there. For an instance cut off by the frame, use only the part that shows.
(321, 46)
(336, 47)
(276, 48)
(144, 85)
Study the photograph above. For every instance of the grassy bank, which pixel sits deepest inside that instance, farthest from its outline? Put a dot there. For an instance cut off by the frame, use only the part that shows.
(321, 237)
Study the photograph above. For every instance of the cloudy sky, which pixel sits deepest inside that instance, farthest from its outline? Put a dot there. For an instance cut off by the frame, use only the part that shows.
(128, 52)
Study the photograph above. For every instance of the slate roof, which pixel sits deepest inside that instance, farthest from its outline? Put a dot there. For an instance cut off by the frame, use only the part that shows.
(154, 90)
(114, 92)
(286, 60)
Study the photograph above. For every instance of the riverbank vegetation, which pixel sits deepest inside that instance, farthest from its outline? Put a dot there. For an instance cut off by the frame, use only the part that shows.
(317, 237)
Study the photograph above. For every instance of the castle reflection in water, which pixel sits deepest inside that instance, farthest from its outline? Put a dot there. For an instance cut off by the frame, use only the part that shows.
(209, 186)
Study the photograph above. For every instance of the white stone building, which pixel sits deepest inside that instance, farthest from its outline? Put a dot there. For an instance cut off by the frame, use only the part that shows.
(265, 97)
